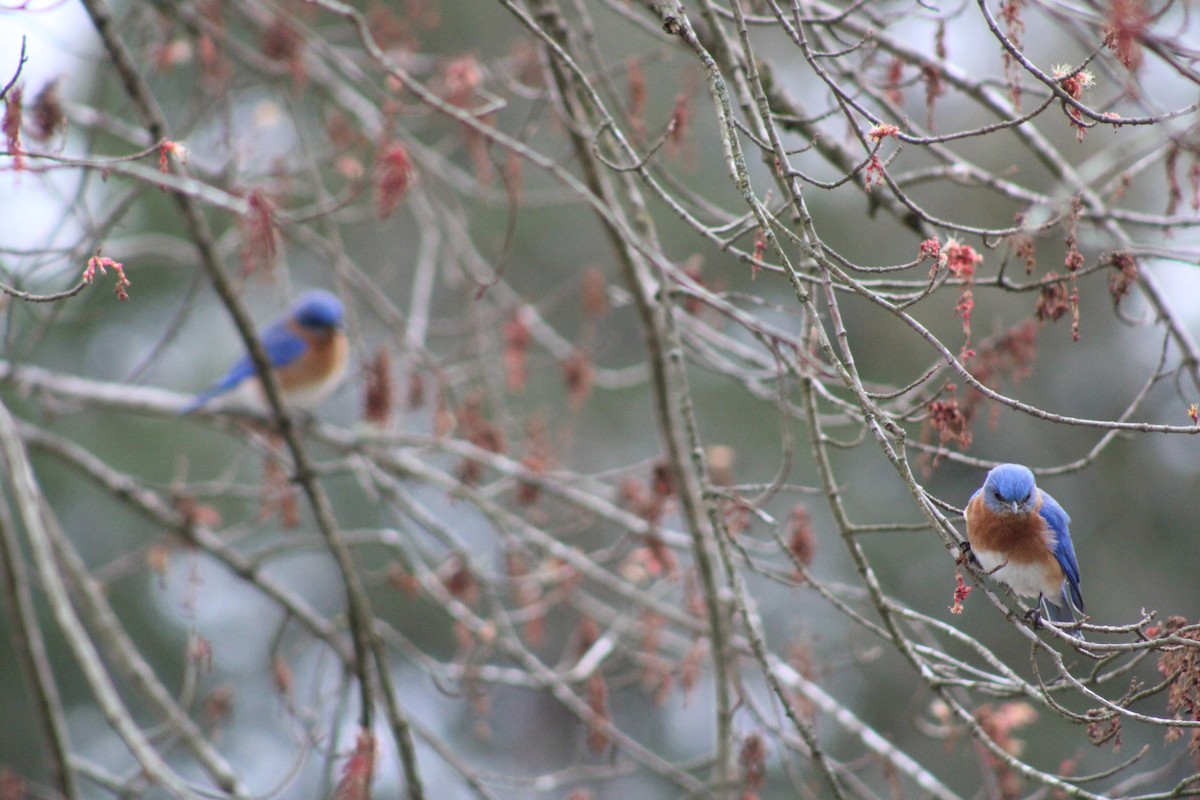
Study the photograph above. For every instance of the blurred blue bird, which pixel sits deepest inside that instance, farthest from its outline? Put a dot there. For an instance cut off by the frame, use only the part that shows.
(1019, 535)
(307, 348)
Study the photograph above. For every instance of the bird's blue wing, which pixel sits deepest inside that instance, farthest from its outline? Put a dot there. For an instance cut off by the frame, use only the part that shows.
(1064, 551)
(283, 347)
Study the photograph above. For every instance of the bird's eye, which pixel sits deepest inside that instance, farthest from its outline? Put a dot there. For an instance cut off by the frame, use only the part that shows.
(996, 493)
(1026, 500)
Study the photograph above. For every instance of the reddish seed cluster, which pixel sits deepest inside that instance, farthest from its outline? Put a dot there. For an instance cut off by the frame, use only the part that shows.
(638, 93)
(527, 595)
(933, 90)
(802, 543)
(657, 679)
(961, 591)
(1052, 300)
(654, 558)
(760, 250)
(513, 177)
(1126, 25)
(168, 148)
(390, 31)
(1074, 83)
(680, 124)
(649, 502)
(214, 65)
(462, 78)
(1006, 356)
(378, 389)
(260, 234)
(200, 652)
(282, 677)
(195, 512)
(12, 785)
(537, 459)
(999, 723)
(578, 375)
(394, 175)
(892, 87)
(1023, 247)
(753, 761)
(12, 127)
(358, 770)
(693, 269)
(1182, 666)
(596, 694)
(594, 294)
(950, 420)
(476, 429)
(1014, 29)
(800, 657)
(874, 174)
(517, 339)
(961, 260)
(104, 263)
(930, 248)
(48, 117)
(343, 134)
(282, 43)
(736, 515)
(1194, 182)
(402, 579)
(881, 132)
(459, 581)
(218, 705)
(1074, 260)
(651, 625)
(158, 561)
(1171, 165)
(691, 669)
(1103, 726)
(278, 494)
(1125, 274)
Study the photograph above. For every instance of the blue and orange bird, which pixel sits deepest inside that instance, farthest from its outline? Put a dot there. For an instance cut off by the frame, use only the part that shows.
(307, 349)
(1019, 535)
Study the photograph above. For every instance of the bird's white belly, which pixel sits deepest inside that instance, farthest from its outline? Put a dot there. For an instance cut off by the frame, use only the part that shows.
(1027, 580)
(249, 395)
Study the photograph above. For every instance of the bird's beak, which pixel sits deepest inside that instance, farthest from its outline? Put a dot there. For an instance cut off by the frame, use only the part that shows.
(1015, 506)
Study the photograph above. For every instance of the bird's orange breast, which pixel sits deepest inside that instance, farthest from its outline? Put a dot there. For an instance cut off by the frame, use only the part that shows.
(1022, 538)
(324, 360)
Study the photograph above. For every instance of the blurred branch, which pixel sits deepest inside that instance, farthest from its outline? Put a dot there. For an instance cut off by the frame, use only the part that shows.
(599, 261)
(36, 519)
(30, 648)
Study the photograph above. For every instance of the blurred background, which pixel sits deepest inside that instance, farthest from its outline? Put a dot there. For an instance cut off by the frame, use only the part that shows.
(496, 457)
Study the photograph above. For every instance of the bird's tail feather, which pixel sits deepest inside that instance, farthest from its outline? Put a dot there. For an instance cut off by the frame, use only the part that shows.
(200, 400)
(1063, 614)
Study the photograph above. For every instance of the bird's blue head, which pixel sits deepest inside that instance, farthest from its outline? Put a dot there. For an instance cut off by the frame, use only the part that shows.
(1010, 488)
(318, 310)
